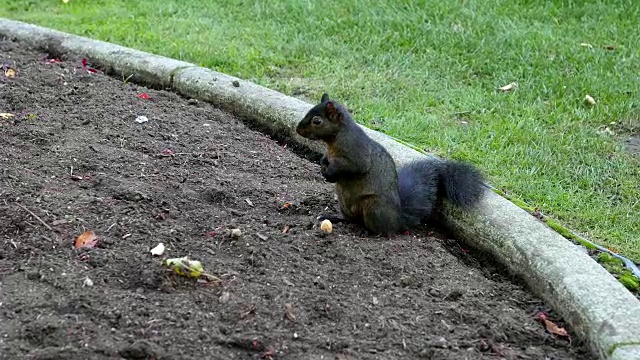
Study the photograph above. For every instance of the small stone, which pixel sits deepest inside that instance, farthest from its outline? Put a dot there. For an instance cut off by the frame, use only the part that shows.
(440, 342)
(142, 119)
(87, 282)
(236, 233)
(34, 275)
(406, 281)
(236, 83)
(158, 250)
(224, 297)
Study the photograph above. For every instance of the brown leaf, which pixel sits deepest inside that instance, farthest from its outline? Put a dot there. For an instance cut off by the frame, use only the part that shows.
(289, 312)
(86, 240)
(10, 73)
(555, 329)
(537, 213)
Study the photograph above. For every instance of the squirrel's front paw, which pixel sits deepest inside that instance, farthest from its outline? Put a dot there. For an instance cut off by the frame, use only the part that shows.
(328, 176)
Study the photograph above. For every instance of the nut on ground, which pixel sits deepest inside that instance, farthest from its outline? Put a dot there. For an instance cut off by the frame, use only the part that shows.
(326, 226)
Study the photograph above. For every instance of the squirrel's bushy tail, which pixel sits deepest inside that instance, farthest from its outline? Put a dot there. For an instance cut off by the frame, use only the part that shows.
(421, 184)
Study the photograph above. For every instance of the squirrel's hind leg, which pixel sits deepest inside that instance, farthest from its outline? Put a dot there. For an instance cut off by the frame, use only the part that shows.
(382, 219)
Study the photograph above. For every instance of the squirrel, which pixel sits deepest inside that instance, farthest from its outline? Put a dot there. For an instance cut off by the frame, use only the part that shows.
(370, 190)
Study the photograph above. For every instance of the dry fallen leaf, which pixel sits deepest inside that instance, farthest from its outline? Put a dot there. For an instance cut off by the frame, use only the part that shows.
(86, 240)
(10, 73)
(509, 87)
(555, 329)
(87, 282)
(6, 115)
(158, 250)
(185, 266)
(289, 312)
(589, 100)
(552, 327)
(606, 131)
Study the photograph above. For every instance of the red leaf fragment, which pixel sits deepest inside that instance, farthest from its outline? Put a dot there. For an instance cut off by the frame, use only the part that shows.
(87, 68)
(48, 60)
(144, 96)
(86, 240)
(269, 354)
(168, 152)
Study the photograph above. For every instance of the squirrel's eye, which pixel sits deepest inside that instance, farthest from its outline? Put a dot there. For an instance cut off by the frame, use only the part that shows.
(316, 120)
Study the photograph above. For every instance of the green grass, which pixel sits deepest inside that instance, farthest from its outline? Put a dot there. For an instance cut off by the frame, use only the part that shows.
(427, 72)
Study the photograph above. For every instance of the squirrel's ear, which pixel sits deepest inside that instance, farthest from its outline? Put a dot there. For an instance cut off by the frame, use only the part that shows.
(325, 97)
(332, 111)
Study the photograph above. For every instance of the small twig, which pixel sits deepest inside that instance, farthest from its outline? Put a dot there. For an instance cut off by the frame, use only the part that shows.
(36, 217)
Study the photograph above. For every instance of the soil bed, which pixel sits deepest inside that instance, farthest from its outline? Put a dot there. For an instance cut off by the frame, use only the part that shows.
(75, 157)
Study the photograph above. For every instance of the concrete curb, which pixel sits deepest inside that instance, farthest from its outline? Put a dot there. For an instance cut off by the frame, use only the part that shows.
(600, 309)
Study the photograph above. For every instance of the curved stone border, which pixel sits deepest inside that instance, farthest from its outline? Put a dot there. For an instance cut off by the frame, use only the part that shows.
(600, 309)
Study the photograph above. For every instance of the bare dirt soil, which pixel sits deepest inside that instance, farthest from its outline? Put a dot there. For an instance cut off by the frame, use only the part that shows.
(73, 159)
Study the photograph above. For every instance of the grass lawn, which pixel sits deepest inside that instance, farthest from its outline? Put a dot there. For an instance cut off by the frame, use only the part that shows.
(427, 72)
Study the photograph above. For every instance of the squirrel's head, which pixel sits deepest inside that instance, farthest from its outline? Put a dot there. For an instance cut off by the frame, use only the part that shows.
(324, 121)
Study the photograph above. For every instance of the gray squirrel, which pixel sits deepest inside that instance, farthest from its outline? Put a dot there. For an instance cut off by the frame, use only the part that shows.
(371, 192)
